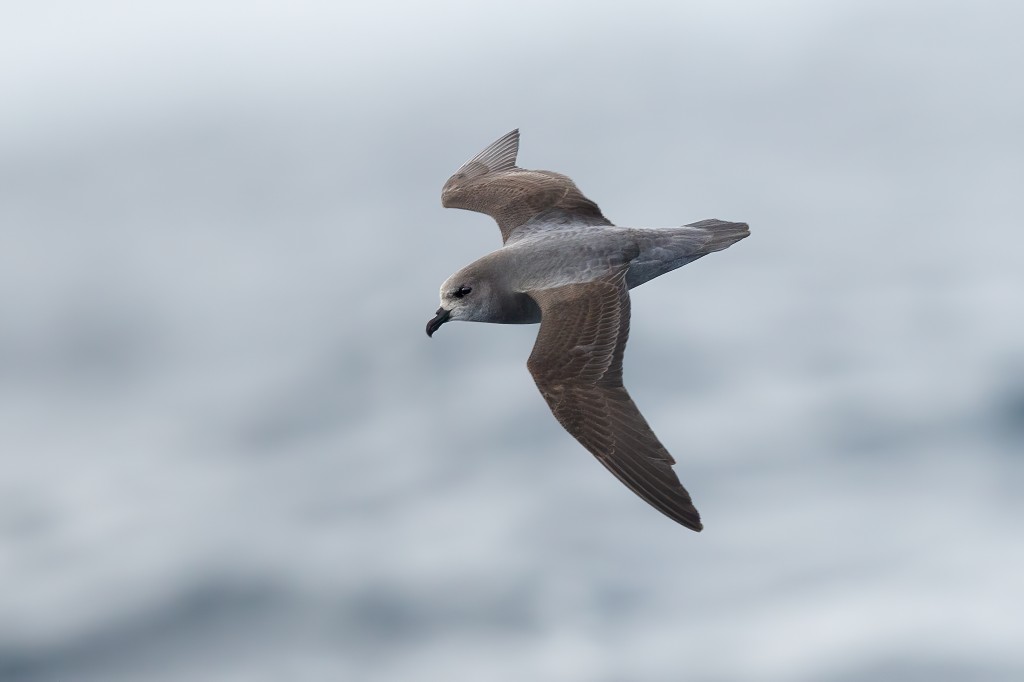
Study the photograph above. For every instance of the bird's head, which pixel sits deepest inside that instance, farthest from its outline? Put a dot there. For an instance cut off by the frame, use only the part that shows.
(464, 296)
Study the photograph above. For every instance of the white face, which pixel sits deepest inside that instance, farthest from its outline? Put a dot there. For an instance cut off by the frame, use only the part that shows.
(466, 298)
(457, 296)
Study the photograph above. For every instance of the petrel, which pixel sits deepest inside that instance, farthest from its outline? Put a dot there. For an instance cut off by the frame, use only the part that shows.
(565, 265)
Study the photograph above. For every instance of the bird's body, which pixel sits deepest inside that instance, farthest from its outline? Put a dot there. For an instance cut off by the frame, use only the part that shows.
(565, 265)
(579, 253)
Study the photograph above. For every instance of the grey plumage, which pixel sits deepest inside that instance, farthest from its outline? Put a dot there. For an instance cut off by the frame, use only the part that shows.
(565, 265)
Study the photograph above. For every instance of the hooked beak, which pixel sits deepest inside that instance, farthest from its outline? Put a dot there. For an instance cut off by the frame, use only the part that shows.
(440, 318)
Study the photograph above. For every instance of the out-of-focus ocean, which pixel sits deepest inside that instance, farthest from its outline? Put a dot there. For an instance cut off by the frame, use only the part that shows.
(229, 452)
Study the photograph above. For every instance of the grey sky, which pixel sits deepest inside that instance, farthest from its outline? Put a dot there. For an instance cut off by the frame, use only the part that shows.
(230, 453)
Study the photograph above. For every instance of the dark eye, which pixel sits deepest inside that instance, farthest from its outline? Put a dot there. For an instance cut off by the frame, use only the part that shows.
(462, 291)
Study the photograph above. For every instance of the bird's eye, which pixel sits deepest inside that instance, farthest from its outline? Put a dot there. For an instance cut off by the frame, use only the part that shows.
(462, 291)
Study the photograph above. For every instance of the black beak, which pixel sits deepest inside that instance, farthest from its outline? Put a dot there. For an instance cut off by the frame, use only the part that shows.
(439, 319)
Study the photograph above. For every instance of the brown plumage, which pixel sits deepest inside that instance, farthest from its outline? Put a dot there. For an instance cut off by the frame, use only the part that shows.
(577, 365)
(491, 183)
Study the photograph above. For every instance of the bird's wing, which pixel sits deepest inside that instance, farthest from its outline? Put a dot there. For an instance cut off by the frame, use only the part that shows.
(491, 183)
(577, 364)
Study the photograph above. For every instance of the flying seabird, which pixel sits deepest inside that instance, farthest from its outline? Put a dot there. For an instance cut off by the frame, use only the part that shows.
(565, 265)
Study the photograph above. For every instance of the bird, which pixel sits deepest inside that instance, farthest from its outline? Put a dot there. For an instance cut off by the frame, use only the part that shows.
(566, 266)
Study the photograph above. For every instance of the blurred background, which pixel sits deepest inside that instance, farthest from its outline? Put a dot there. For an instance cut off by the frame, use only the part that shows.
(229, 452)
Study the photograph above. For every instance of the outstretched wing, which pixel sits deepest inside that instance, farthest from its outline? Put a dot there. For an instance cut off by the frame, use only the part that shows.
(491, 183)
(577, 364)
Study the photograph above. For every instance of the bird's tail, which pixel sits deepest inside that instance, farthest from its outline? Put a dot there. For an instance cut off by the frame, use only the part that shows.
(664, 250)
(723, 234)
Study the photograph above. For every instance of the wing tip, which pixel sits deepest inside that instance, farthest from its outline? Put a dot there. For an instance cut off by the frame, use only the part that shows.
(499, 155)
(689, 518)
